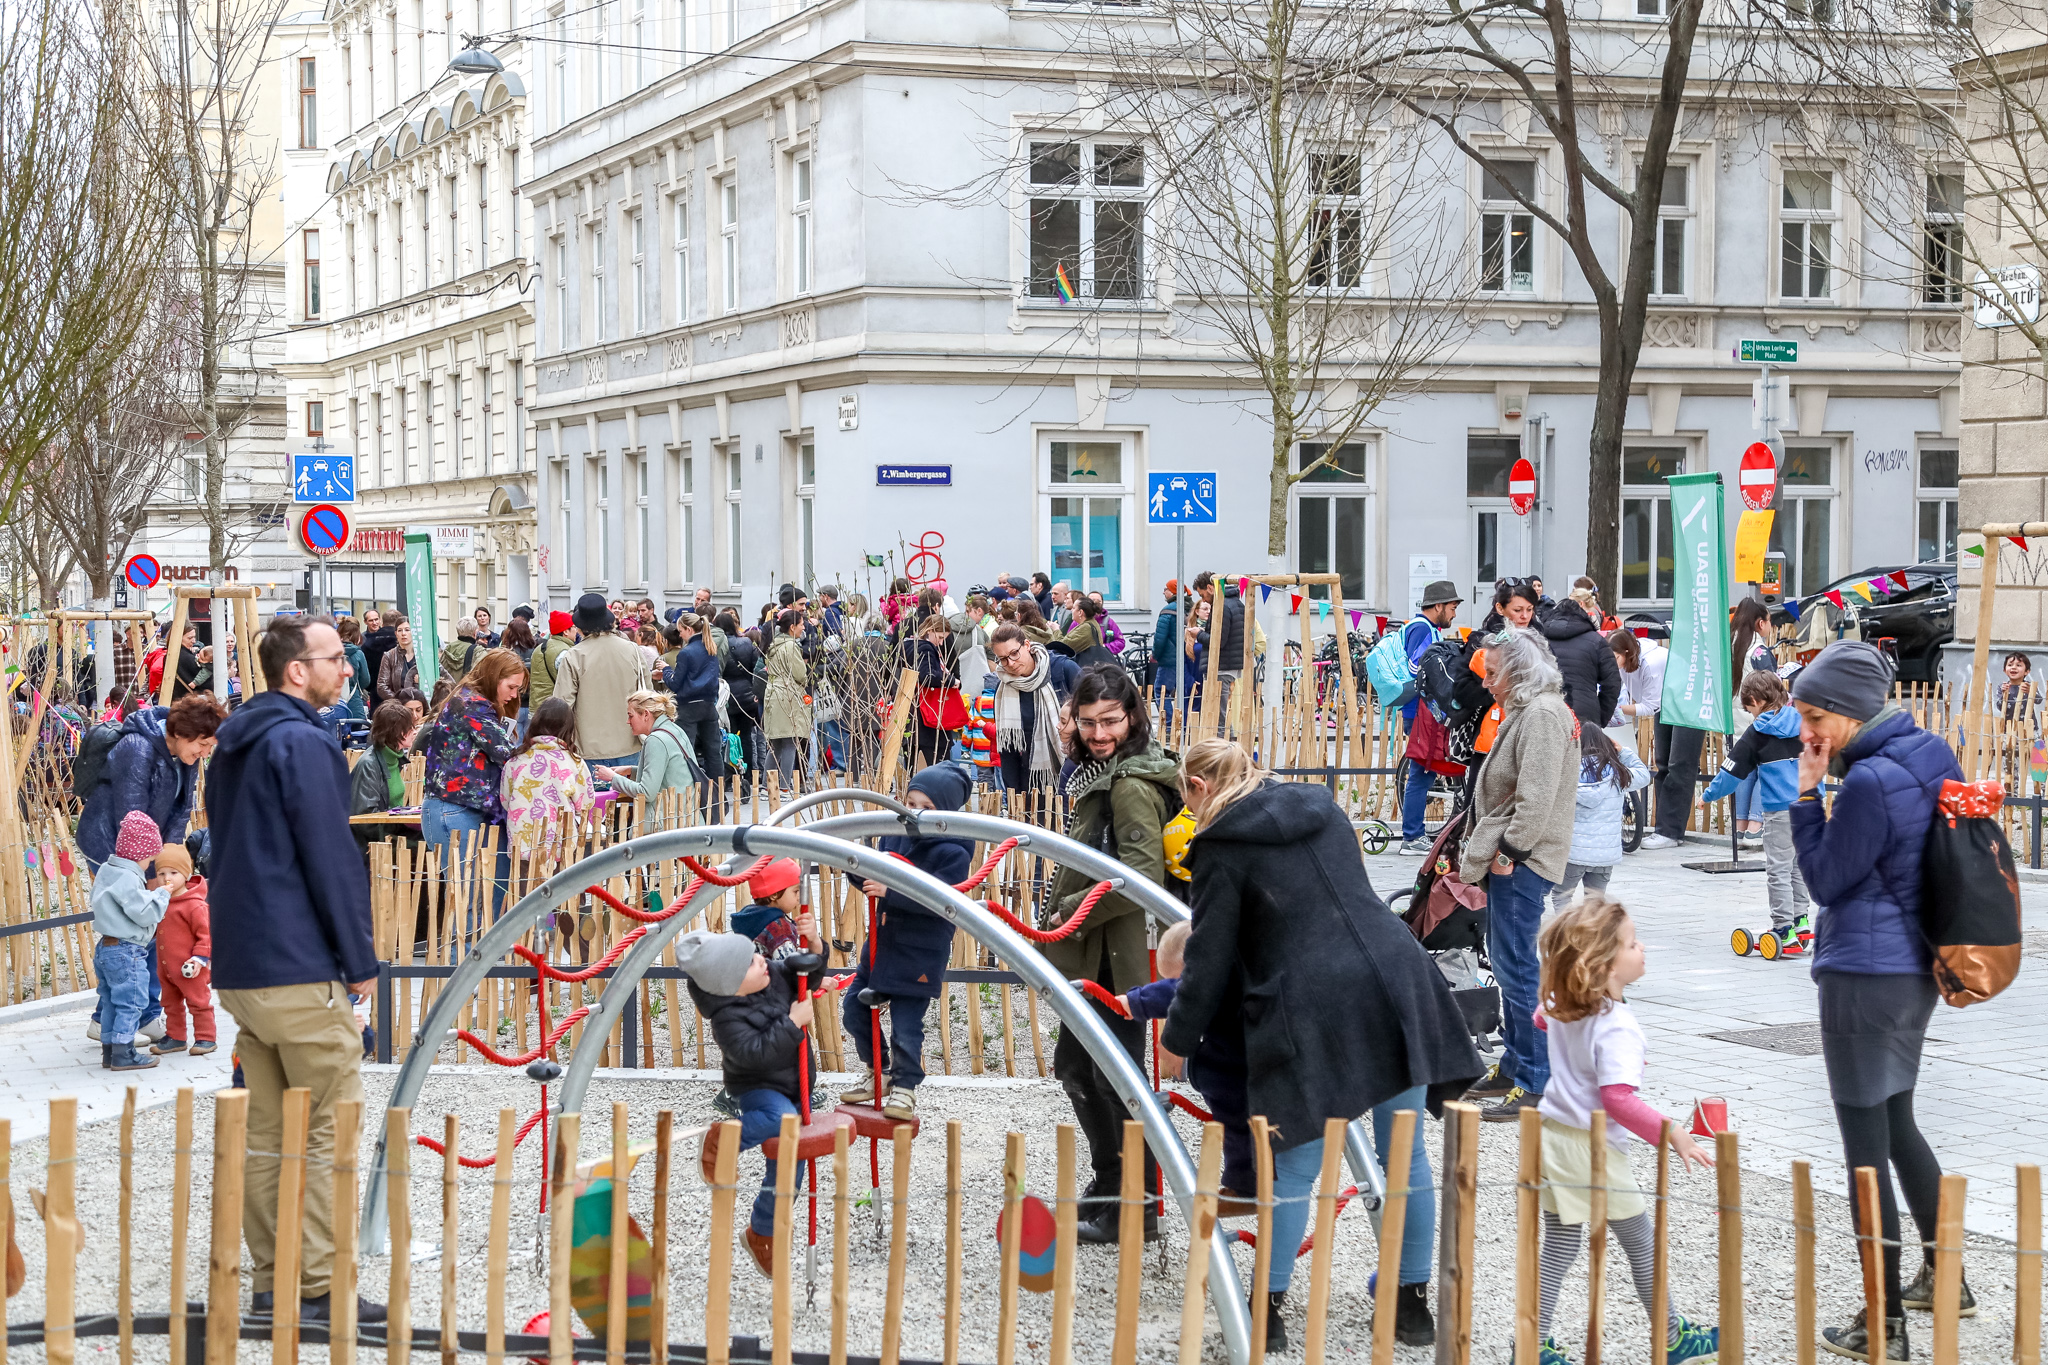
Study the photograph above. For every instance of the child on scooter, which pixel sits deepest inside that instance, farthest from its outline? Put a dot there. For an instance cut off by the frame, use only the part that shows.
(1770, 749)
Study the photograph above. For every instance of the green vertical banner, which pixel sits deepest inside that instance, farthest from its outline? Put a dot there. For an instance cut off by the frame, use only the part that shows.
(1697, 691)
(422, 609)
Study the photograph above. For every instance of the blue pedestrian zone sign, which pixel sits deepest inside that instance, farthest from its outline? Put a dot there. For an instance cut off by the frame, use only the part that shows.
(324, 478)
(1181, 499)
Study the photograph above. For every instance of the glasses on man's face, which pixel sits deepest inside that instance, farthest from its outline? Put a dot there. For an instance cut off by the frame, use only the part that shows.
(1103, 725)
(322, 658)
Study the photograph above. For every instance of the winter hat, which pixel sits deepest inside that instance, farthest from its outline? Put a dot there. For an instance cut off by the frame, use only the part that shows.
(522, 612)
(946, 784)
(559, 623)
(174, 858)
(772, 880)
(718, 963)
(139, 839)
(1849, 677)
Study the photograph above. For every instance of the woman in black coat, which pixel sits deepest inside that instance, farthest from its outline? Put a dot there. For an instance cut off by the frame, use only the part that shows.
(1592, 681)
(1343, 1012)
(744, 679)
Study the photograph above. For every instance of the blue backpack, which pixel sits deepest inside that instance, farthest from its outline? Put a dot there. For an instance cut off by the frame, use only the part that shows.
(1388, 668)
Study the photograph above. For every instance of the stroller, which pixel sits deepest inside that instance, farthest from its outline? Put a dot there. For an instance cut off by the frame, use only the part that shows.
(1448, 917)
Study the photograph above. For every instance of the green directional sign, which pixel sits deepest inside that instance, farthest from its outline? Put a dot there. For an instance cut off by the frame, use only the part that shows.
(1767, 352)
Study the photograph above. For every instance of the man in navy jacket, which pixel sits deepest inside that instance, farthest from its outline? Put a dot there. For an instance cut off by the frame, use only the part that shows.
(291, 932)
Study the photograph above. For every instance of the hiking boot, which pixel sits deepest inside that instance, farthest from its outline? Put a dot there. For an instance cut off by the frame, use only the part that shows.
(1853, 1341)
(1495, 1083)
(321, 1309)
(1413, 1326)
(1415, 848)
(1692, 1343)
(163, 1045)
(1231, 1204)
(1510, 1106)
(761, 1246)
(863, 1093)
(900, 1105)
(204, 1046)
(724, 1104)
(106, 1056)
(1106, 1227)
(126, 1058)
(1276, 1326)
(1920, 1293)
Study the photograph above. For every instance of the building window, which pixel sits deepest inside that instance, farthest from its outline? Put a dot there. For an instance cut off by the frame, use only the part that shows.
(638, 44)
(348, 86)
(427, 396)
(1810, 11)
(636, 226)
(800, 225)
(732, 22)
(1646, 563)
(597, 283)
(1943, 254)
(807, 512)
(376, 262)
(487, 383)
(309, 103)
(512, 203)
(1938, 484)
(729, 244)
(561, 80)
(1671, 273)
(1087, 220)
(451, 237)
(515, 415)
(683, 546)
(1806, 227)
(1949, 12)
(603, 471)
(564, 517)
(195, 478)
(561, 293)
(419, 43)
(1507, 231)
(458, 444)
(377, 435)
(349, 241)
(732, 515)
(1336, 253)
(309, 245)
(483, 215)
(316, 421)
(679, 216)
(1087, 513)
(643, 540)
(426, 266)
(400, 406)
(1804, 526)
(1330, 517)
(1491, 518)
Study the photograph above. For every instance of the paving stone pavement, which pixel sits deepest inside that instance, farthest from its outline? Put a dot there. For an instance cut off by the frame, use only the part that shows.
(45, 1053)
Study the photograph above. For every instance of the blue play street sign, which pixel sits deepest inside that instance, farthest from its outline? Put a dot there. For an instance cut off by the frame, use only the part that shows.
(324, 477)
(1183, 498)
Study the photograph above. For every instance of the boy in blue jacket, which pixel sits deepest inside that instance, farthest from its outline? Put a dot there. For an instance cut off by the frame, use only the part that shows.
(1770, 749)
(903, 965)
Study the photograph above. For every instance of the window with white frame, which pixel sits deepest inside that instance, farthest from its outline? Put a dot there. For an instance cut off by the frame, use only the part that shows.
(807, 511)
(426, 262)
(316, 421)
(309, 250)
(451, 236)
(487, 381)
(561, 292)
(458, 442)
(1955, 13)
(1938, 482)
(483, 215)
(402, 407)
(1087, 221)
(729, 244)
(732, 24)
(1331, 503)
(376, 261)
(419, 45)
(1507, 230)
(565, 515)
(602, 468)
(637, 41)
(1804, 525)
(377, 435)
(643, 525)
(348, 86)
(1807, 218)
(195, 478)
(1671, 271)
(426, 428)
(733, 474)
(1651, 9)
(1087, 512)
(1810, 11)
(800, 225)
(679, 245)
(561, 71)
(349, 242)
(515, 413)
(636, 234)
(1942, 237)
(511, 204)
(355, 422)
(683, 544)
(1336, 248)
(1498, 550)
(1647, 567)
(309, 102)
(595, 242)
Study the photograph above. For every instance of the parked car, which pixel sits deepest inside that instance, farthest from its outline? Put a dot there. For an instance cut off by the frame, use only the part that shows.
(1916, 620)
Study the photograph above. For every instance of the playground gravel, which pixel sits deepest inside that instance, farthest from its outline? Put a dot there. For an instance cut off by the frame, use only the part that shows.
(987, 1109)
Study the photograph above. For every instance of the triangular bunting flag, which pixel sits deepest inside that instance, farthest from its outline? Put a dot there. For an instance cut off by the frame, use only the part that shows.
(1835, 598)
(1356, 617)
(1295, 599)
(1380, 624)
(1265, 591)
(1244, 586)
(1882, 585)
(1898, 577)
(2020, 541)
(1977, 550)
(1792, 609)
(1322, 610)
(1862, 590)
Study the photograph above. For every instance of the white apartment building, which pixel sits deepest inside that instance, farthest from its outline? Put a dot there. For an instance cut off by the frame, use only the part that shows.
(763, 355)
(410, 295)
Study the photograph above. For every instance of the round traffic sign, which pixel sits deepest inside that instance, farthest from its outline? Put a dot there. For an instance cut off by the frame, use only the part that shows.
(143, 571)
(1522, 487)
(324, 530)
(1758, 477)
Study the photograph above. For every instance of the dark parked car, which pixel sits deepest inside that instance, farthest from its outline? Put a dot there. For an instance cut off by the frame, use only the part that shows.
(1918, 619)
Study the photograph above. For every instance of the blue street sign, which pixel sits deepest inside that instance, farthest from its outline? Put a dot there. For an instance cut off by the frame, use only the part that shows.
(329, 477)
(913, 476)
(1181, 498)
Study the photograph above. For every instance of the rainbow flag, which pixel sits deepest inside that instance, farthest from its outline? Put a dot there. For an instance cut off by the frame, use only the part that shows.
(1063, 283)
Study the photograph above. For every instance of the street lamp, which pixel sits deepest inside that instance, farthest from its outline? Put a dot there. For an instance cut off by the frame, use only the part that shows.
(473, 60)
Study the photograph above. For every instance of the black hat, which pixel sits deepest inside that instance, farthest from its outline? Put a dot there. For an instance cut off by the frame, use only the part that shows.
(592, 615)
(946, 783)
(1440, 592)
(522, 612)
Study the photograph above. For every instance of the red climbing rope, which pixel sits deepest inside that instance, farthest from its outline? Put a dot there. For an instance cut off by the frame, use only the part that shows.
(1308, 1243)
(1103, 997)
(547, 1041)
(597, 968)
(481, 1163)
(718, 880)
(643, 916)
(1000, 852)
(1079, 917)
(1180, 1101)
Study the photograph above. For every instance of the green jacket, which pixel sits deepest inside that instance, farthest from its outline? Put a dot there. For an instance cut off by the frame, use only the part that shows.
(1123, 812)
(540, 678)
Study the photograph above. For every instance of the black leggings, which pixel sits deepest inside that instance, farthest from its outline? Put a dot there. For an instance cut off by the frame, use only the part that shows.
(1885, 1136)
(1678, 769)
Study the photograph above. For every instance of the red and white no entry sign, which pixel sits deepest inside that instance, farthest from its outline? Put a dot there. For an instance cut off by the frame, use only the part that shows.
(1758, 477)
(1522, 487)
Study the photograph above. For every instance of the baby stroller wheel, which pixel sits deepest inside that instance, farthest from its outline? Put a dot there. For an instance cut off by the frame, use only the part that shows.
(1741, 942)
(1377, 836)
(1767, 943)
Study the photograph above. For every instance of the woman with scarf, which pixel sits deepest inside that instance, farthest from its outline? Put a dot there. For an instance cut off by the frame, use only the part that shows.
(1031, 685)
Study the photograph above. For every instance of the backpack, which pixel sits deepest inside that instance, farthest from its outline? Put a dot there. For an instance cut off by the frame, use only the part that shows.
(1438, 675)
(1970, 895)
(89, 766)
(1389, 668)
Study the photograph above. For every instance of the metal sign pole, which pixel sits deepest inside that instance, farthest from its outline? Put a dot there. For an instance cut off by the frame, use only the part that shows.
(1180, 593)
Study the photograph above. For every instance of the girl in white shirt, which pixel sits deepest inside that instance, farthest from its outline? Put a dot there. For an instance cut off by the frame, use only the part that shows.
(1590, 956)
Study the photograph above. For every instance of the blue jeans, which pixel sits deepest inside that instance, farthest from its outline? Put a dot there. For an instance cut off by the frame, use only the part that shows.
(1749, 802)
(1415, 800)
(903, 1053)
(443, 824)
(155, 1008)
(1514, 912)
(761, 1114)
(125, 971)
(1418, 1230)
(1294, 1179)
(831, 736)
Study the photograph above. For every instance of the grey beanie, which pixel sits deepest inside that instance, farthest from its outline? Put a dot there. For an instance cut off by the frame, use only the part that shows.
(1849, 677)
(718, 963)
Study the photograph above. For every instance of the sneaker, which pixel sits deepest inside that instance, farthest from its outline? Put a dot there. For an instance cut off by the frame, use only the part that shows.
(1659, 841)
(863, 1093)
(154, 1030)
(92, 1030)
(723, 1103)
(1276, 1326)
(1510, 1106)
(900, 1105)
(1491, 1086)
(204, 1046)
(1920, 1293)
(126, 1058)
(1415, 848)
(1853, 1341)
(1550, 1353)
(1693, 1344)
(163, 1045)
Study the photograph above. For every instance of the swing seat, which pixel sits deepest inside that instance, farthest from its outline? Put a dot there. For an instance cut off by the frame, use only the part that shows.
(870, 1122)
(815, 1139)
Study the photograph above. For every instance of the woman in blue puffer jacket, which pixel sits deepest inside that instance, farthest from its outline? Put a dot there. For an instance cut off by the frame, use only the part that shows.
(1870, 960)
(153, 767)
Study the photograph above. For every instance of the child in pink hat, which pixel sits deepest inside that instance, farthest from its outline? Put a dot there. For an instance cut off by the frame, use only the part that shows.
(125, 913)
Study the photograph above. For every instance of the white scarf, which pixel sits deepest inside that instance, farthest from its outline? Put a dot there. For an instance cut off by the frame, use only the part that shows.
(1043, 745)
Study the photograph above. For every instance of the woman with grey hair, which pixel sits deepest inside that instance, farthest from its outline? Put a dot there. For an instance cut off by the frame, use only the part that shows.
(1520, 841)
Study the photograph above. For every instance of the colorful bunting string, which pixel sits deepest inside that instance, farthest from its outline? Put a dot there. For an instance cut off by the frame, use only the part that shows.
(1836, 598)
(1898, 576)
(1862, 590)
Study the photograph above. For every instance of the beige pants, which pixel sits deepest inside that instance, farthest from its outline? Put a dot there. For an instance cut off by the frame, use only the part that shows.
(294, 1036)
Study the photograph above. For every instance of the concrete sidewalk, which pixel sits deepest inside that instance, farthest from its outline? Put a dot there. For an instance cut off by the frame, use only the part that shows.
(47, 1054)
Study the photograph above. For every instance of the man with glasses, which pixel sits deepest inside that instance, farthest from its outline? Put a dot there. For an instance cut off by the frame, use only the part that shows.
(291, 933)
